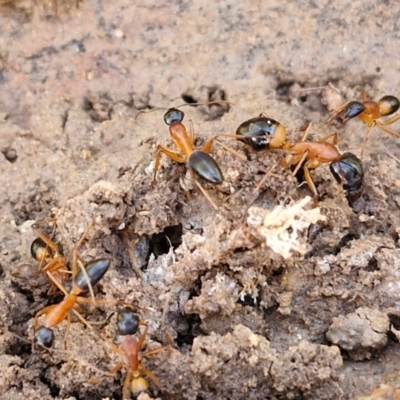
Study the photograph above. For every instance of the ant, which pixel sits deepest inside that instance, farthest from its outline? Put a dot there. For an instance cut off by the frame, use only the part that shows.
(44, 250)
(199, 162)
(264, 132)
(82, 282)
(348, 171)
(369, 112)
(127, 326)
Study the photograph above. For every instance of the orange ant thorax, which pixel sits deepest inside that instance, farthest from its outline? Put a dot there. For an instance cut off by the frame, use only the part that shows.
(130, 348)
(370, 113)
(180, 137)
(324, 152)
(59, 312)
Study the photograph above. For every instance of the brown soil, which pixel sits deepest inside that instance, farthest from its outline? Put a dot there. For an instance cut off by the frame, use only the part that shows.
(254, 311)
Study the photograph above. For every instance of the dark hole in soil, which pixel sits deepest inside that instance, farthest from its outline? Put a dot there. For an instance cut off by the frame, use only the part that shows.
(19, 347)
(10, 154)
(372, 265)
(187, 98)
(343, 242)
(394, 319)
(187, 337)
(248, 300)
(160, 243)
(283, 90)
(54, 390)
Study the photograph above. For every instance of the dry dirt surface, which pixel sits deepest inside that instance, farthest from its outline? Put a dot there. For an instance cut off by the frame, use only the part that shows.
(278, 300)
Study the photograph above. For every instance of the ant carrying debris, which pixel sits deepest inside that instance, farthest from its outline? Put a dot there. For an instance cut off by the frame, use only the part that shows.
(369, 112)
(128, 324)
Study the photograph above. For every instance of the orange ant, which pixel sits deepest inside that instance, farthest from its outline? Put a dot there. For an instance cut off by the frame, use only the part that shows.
(127, 326)
(264, 132)
(369, 113)
(44, 250)
(81, 283)
(199, 162)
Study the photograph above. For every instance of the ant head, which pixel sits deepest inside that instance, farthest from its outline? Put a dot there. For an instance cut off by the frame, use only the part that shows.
(173, 115)
(40, 251)
(44, 337)
(262, 132)
(352, 109)
(127, 322)
(388, 105)
(95, 270)
(139, 384)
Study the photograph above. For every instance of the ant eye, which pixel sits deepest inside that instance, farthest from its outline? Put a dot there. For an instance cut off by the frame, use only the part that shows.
(44, 337)
(173, 115)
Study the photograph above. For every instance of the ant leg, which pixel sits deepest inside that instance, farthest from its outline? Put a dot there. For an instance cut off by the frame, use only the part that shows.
(191, 133)
(54, 265)
(143, 337)
(298, 161)
(265, 177)
(208, 145)
(85, 274)
(387, 130)
(67, 330)
(56, 283)
(155, 351)
(173, 155)
(46, 240)
(126, 392)
(206, 195)
(336, 112)
(40, 313)
(366, 137)
(390, 121)
(311, 164)
(110, 373)
(306, 132)
(364, 96)
(333, 135)
(157, 382)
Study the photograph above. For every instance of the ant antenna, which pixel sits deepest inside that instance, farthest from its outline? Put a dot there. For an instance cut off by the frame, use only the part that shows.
(184, 105)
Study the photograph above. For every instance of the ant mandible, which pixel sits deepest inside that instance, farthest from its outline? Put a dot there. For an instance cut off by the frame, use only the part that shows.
(369, 112)
(127, 326)
(199, 162)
